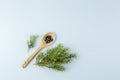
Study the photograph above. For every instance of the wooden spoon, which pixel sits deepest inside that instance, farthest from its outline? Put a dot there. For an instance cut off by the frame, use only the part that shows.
(43, 44)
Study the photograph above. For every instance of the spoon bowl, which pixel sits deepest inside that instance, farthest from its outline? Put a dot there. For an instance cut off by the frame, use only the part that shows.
(48, 39)
(48, 36)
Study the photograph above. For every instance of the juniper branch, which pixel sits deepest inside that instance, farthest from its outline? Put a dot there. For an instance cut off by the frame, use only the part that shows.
(55, 57)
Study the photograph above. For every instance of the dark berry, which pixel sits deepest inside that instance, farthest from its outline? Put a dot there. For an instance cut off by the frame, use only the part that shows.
(48, 39)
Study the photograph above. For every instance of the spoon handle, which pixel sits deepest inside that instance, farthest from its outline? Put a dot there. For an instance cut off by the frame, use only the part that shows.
(31, 57)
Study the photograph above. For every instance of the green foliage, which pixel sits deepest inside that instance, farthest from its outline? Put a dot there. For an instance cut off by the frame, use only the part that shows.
(54, 58)
(31, 41)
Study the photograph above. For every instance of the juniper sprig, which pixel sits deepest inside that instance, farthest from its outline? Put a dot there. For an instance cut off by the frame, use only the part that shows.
(55, 58)
(31, 41)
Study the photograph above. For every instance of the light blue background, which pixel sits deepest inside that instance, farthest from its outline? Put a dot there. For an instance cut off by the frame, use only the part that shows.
(91, 28)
